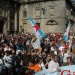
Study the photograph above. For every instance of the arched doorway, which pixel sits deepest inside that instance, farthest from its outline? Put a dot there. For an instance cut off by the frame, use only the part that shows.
(1, 26)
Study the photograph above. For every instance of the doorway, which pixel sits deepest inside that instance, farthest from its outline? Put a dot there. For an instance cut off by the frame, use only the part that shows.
(38, 24)
(1, 26)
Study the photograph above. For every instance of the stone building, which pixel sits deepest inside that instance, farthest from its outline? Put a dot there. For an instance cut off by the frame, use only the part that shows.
(9, 15)
(48, 14)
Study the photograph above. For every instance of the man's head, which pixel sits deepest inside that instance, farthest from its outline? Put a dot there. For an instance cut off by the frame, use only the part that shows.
(63, 43)
(55, 58)
(59, 53)
(48, 57)
(69, 60)
(32, 62)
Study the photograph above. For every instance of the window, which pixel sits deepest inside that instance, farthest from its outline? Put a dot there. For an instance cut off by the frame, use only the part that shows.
(24, 14)
(38, 24)
(24, 21)
(37, 13)
(52, 11)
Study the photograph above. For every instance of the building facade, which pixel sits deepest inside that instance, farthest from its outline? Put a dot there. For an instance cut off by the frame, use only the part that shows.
(9, 16)
(48, 14)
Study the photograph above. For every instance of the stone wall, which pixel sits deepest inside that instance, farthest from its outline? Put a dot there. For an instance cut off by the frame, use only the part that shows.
(50, 14)
(9, 16)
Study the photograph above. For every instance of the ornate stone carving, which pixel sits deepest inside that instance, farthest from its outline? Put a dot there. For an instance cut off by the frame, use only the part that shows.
(51, 22)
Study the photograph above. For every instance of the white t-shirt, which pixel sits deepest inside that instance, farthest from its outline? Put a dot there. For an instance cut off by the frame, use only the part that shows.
(52, 66)
(61, 48)
(65, 57)
(52, 49)
(55, 52)
(7, 60)
(5, 49)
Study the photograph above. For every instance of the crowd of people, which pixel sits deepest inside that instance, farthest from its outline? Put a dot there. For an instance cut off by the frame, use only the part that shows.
(18, 57)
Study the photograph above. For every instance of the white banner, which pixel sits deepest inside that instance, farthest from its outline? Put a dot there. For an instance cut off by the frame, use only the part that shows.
(66, 70)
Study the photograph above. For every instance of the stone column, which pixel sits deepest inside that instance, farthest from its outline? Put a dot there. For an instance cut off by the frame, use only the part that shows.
(15, 19)
(15, 23)
(8, 16)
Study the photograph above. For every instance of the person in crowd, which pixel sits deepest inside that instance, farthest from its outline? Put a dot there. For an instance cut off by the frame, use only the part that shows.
(53, 65)
(26, 57)
(62, 47)
(1, 64)
(41, 63)
(7, 47)
(73, 59)
(69, 62)
(18, 65)
(47, 60)
(17, 52)
(35, 65)
(60, 58)
(65, 55)
(7, 59)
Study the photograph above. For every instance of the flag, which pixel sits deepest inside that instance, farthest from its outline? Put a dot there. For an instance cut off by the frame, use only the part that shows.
(67, 32)
(39, 33)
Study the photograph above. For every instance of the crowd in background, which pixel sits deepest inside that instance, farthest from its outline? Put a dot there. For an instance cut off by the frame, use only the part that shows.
(18, 57)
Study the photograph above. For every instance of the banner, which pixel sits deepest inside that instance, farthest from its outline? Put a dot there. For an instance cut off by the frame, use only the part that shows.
(66, 70)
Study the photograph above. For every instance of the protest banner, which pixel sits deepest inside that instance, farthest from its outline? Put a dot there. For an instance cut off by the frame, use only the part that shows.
(65, 70)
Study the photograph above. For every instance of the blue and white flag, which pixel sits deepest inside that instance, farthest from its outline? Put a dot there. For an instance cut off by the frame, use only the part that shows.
(67, 32)
(39, 33)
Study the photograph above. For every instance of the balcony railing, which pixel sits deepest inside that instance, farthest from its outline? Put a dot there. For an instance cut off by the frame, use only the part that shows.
(33, 1)
(29, 0)
(17, 1)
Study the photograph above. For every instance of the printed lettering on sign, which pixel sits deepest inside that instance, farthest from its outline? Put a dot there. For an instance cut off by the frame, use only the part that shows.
(73, 73)
(68, 72)
(62, 73)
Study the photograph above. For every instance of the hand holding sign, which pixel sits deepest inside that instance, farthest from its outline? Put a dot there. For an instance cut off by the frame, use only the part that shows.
(58, 69)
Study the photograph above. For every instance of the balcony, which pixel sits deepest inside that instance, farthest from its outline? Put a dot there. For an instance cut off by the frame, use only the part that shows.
(30, 1)
(16, 0)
